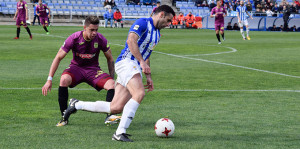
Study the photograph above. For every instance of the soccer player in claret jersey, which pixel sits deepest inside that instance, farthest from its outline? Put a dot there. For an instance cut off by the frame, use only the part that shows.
(21, 16)
(86, 46)
(219, 13)
(242, 19)
(41, 12)
(143, 36)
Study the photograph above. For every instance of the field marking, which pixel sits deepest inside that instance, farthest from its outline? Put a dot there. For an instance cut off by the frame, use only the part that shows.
(167, 90)
(204, 60)
(232, 51)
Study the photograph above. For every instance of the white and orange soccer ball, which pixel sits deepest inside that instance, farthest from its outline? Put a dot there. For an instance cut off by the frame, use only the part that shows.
(164, 127)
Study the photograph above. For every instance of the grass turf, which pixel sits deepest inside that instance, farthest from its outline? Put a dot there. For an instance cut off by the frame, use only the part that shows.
(248, 98)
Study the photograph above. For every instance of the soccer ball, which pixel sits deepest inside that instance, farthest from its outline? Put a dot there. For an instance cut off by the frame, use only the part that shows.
(164, 127)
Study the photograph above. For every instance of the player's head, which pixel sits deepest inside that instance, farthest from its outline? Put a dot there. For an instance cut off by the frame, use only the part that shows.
(158, 4)
(242, 3)
(163, 16)
(219, 3)
(91, 25)
(40, 2)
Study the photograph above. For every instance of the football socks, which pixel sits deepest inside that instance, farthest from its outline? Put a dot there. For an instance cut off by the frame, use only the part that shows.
(45, 28)
(28, 31)
(218, 36)
(18, 32)
(127, 116)
(98, 106)
(110, 95)
(63, 96)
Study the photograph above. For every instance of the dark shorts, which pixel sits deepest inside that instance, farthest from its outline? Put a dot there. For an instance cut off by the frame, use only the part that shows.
(44, 20)
(219, 26)
(93, 76)
(21, 21)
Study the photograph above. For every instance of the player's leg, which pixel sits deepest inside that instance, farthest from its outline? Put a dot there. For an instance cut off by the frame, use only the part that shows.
(241, 30)
(247, 29)
(18, 23)
(63, 95)
(69, 78)
(136, 88)
(222, 31)
(121, 23)
(27, 29)
(44, 22)
(217, 28)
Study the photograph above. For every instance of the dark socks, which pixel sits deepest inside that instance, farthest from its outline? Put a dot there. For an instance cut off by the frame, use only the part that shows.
(63, 96)
(45, 28)
(223, 35)
(18, 32)
(28, 30)
(110, 95)
(218, 36)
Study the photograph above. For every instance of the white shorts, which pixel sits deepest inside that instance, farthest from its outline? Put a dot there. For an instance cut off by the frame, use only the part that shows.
(126, 69)
(243, 23)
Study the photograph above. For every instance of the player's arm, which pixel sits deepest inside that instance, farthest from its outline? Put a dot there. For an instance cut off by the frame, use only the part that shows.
(249, 14)
(59, 56)
(134, 49)
(238, 16)
(49, 12)
(212, 14)
(17, 11)
(110, 63)
(26, 9)
(149, 84)
(225, 13)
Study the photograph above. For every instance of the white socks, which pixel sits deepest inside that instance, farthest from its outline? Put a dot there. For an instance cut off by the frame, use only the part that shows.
(247, 30)
(98, 106)
(127, 116)
(242, 32)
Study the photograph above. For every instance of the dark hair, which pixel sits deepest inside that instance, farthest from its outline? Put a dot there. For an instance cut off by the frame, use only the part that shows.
(157, 2)
(165, 8)
(91, 20)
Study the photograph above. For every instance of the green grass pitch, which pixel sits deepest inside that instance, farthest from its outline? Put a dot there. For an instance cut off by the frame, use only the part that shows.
(241, 94)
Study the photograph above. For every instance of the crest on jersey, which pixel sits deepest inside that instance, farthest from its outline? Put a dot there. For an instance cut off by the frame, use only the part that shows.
(136, 27)
(96, 45)
(221, 9)
(81, 43)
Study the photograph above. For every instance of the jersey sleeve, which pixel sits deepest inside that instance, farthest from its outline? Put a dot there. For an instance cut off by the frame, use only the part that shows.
(105, 45)
(68, 44)
(238, 9)
(213, 11)
(138, 27)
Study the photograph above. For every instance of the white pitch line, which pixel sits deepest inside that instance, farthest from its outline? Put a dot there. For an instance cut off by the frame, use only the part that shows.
(209, 61)
(232, 51)
(168, 90)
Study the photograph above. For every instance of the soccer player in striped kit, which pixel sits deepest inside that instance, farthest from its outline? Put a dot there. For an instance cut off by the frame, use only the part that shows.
(242, 19)
(21, 16)
(143, 36)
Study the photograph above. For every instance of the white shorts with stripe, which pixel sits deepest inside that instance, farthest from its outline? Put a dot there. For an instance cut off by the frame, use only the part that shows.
(243, 23)
(126, 69)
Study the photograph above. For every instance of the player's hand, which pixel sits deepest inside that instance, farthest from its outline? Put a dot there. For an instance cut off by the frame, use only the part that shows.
(14, 18)
(240, 21)
(26, 18)
(47, 87)
(149, 84)
(49, 16)
(146, 69)
(251, 18)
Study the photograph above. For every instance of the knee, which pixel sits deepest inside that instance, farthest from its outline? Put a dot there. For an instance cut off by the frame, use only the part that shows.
(110, 84)
(65, 80)
(139, 96)
(116, 108)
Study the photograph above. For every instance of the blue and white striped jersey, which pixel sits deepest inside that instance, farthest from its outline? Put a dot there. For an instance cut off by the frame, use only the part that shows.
(242, 12)
(149, 37)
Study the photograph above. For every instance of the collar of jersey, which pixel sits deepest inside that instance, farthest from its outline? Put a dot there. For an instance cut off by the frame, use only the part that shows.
(84, 38)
